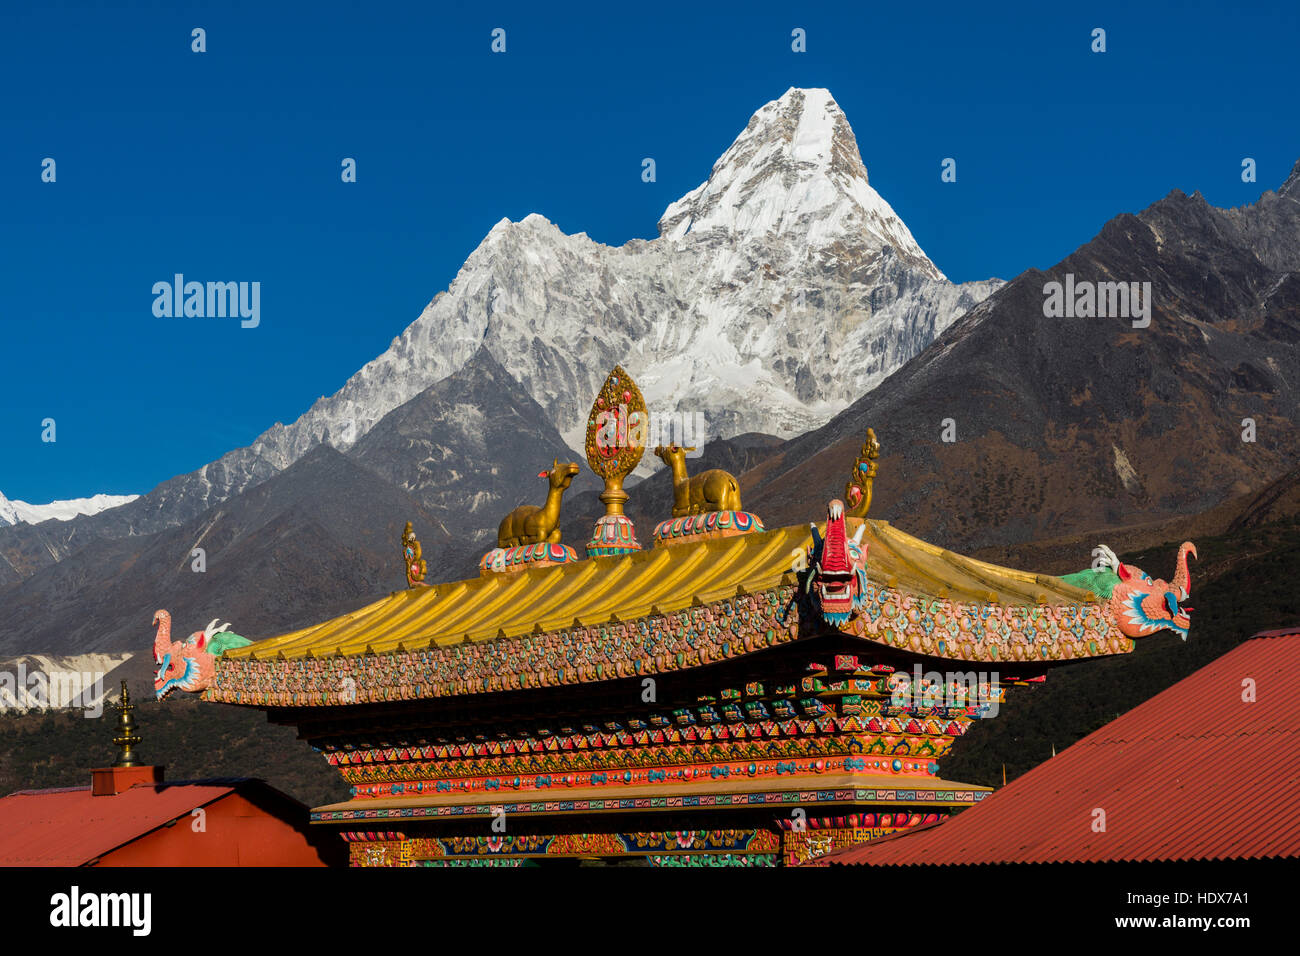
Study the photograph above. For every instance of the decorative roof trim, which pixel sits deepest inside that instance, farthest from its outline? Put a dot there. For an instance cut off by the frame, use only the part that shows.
(692, 637)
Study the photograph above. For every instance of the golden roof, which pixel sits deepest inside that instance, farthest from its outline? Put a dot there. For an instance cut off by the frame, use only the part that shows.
(658, 580)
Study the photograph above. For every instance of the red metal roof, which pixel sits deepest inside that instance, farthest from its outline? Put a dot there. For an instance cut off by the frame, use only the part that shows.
(69, 827)
(1194, 773)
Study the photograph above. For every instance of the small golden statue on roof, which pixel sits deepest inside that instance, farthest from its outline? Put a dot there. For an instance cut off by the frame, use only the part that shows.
(712, 490)
(529, 537)
(858, 490)
(706, 505)
(531, 524)
(416, 566)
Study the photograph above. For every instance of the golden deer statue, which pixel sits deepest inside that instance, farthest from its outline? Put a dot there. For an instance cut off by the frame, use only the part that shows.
(529, 524)
(712, 490)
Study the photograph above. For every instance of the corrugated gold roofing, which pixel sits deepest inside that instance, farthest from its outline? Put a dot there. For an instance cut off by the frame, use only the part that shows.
(663, 579)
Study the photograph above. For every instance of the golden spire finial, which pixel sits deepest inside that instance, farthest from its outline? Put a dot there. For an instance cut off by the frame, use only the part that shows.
(616, 431)
(416, 567)
(857, 493)
(126, 738)
(616, 436)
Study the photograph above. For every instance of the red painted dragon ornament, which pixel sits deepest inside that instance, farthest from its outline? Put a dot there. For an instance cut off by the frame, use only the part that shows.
(837, 580)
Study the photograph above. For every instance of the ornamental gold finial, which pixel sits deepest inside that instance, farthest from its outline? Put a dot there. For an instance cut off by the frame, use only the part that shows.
(858, 490)
(416, 566)
(616, 432)
(126, 738)
(616, 436)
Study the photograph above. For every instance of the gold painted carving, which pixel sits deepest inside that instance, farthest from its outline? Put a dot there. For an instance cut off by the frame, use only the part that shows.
(858, 490)
(416, 567)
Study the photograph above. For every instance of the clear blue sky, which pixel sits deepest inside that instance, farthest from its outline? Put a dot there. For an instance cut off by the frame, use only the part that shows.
(225, 166)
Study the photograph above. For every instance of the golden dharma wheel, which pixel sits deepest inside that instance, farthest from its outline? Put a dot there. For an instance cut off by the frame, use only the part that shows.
(616, 428)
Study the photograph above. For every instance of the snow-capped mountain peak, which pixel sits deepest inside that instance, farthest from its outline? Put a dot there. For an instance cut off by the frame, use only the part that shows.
(779, 291)
(795, 170)
(14, 512)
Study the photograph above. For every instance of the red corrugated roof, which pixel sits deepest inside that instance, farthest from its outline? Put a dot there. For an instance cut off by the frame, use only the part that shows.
(1195, 773)
(69, 827)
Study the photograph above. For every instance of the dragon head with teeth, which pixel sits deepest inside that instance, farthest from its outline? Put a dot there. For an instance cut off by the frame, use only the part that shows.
(837, 579)
(1140, 604)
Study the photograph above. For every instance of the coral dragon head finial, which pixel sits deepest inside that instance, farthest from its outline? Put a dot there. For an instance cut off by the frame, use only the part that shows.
(189, 665)
(1140, 604)
(1143, 605)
